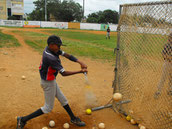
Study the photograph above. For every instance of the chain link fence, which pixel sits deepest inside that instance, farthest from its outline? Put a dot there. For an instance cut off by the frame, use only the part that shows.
(143, 70)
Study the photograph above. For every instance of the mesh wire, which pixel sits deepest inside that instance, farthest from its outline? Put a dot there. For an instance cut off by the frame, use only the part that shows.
(141, 70)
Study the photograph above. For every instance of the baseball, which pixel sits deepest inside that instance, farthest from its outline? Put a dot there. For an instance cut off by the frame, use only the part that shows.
(139, 125)
(23, 77)
(51, 123)
(131, 111)
(88, 112)
(133, 121)
(117, 96)
(101, 126)
(44, 128)
(66, 126)
(128, 118)
(142, 127)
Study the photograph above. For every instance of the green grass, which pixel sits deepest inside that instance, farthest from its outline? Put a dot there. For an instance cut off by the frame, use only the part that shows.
(77, 43)
(94, 45)
(8, 41)
(84, 37)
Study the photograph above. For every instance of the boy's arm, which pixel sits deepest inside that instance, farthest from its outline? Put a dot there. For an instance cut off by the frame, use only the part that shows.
(74, 59)
(68, 73)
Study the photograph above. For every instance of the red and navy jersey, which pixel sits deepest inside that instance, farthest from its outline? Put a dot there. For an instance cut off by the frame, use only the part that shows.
(50, 65)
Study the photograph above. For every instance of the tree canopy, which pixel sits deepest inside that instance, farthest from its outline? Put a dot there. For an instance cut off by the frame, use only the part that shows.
(68, 11)
(106, 16)
(65, 11)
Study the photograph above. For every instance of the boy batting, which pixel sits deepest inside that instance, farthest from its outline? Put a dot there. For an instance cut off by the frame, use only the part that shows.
(49, 68)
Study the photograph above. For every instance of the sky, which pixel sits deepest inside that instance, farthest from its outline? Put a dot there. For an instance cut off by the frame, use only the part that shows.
(92, 6)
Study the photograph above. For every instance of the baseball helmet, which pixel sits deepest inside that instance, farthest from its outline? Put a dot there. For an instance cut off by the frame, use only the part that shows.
(53, 39)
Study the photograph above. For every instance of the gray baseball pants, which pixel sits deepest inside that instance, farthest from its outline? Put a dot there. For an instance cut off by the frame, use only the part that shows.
(52, 90)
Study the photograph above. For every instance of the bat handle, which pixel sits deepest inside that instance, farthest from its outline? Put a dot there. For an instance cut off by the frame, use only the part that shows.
(86, 78)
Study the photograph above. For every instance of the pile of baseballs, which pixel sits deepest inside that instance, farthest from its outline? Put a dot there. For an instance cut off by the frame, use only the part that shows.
(132, 121)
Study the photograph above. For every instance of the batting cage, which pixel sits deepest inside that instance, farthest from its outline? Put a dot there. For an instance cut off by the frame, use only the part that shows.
(143, 70)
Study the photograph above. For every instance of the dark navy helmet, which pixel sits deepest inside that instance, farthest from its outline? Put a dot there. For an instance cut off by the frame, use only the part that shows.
(53, 39)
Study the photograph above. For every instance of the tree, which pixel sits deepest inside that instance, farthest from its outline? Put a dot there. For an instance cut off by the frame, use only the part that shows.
(93, 18)
(67, 10)
(107, 16)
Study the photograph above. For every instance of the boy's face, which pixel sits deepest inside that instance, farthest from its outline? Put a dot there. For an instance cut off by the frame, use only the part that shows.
(54, 47)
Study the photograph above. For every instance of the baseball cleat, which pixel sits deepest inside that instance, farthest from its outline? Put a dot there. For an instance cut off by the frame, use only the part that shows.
(20, 124)
(78, 122)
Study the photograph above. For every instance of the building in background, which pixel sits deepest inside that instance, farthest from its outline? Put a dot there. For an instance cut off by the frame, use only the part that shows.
(11, 9)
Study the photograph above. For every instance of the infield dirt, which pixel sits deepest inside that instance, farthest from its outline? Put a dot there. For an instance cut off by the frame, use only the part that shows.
(22, 97)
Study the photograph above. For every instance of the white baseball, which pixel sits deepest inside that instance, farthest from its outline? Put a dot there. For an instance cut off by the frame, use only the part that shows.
(51, 123)
(66, 126)
(142, 127)
(139, 125)
(101, 126)
(133, 121)
(131, 111)
(23, 77)
(117, 96)
(44, 128)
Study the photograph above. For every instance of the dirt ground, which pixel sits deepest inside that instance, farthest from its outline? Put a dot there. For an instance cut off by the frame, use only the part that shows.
(22, 97)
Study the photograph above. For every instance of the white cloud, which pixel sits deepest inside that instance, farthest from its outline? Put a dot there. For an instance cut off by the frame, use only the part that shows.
(91, 5)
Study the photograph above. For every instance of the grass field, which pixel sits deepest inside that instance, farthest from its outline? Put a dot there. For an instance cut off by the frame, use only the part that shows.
(8, 40)
(84, 43)
(77, 43)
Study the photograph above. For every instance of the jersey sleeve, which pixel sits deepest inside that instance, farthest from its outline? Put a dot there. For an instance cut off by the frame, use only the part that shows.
(55, 64)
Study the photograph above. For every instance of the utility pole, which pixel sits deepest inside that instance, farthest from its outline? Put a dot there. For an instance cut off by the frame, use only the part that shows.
(83, 7)
(45, 10)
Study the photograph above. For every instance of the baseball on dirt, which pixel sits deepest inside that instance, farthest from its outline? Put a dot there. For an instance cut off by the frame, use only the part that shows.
(44, 128)
(117, 96)
(51, 123)
(139, 125)
(128, 118)
(131, 111)
(66, 126)
(142, 127)
(23, 77)
(133, 121)
(101, 126)
(88, 111)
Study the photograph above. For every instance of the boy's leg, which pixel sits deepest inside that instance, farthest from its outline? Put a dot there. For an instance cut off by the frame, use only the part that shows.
(49, 94)
(62, 99)
(21, 121)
